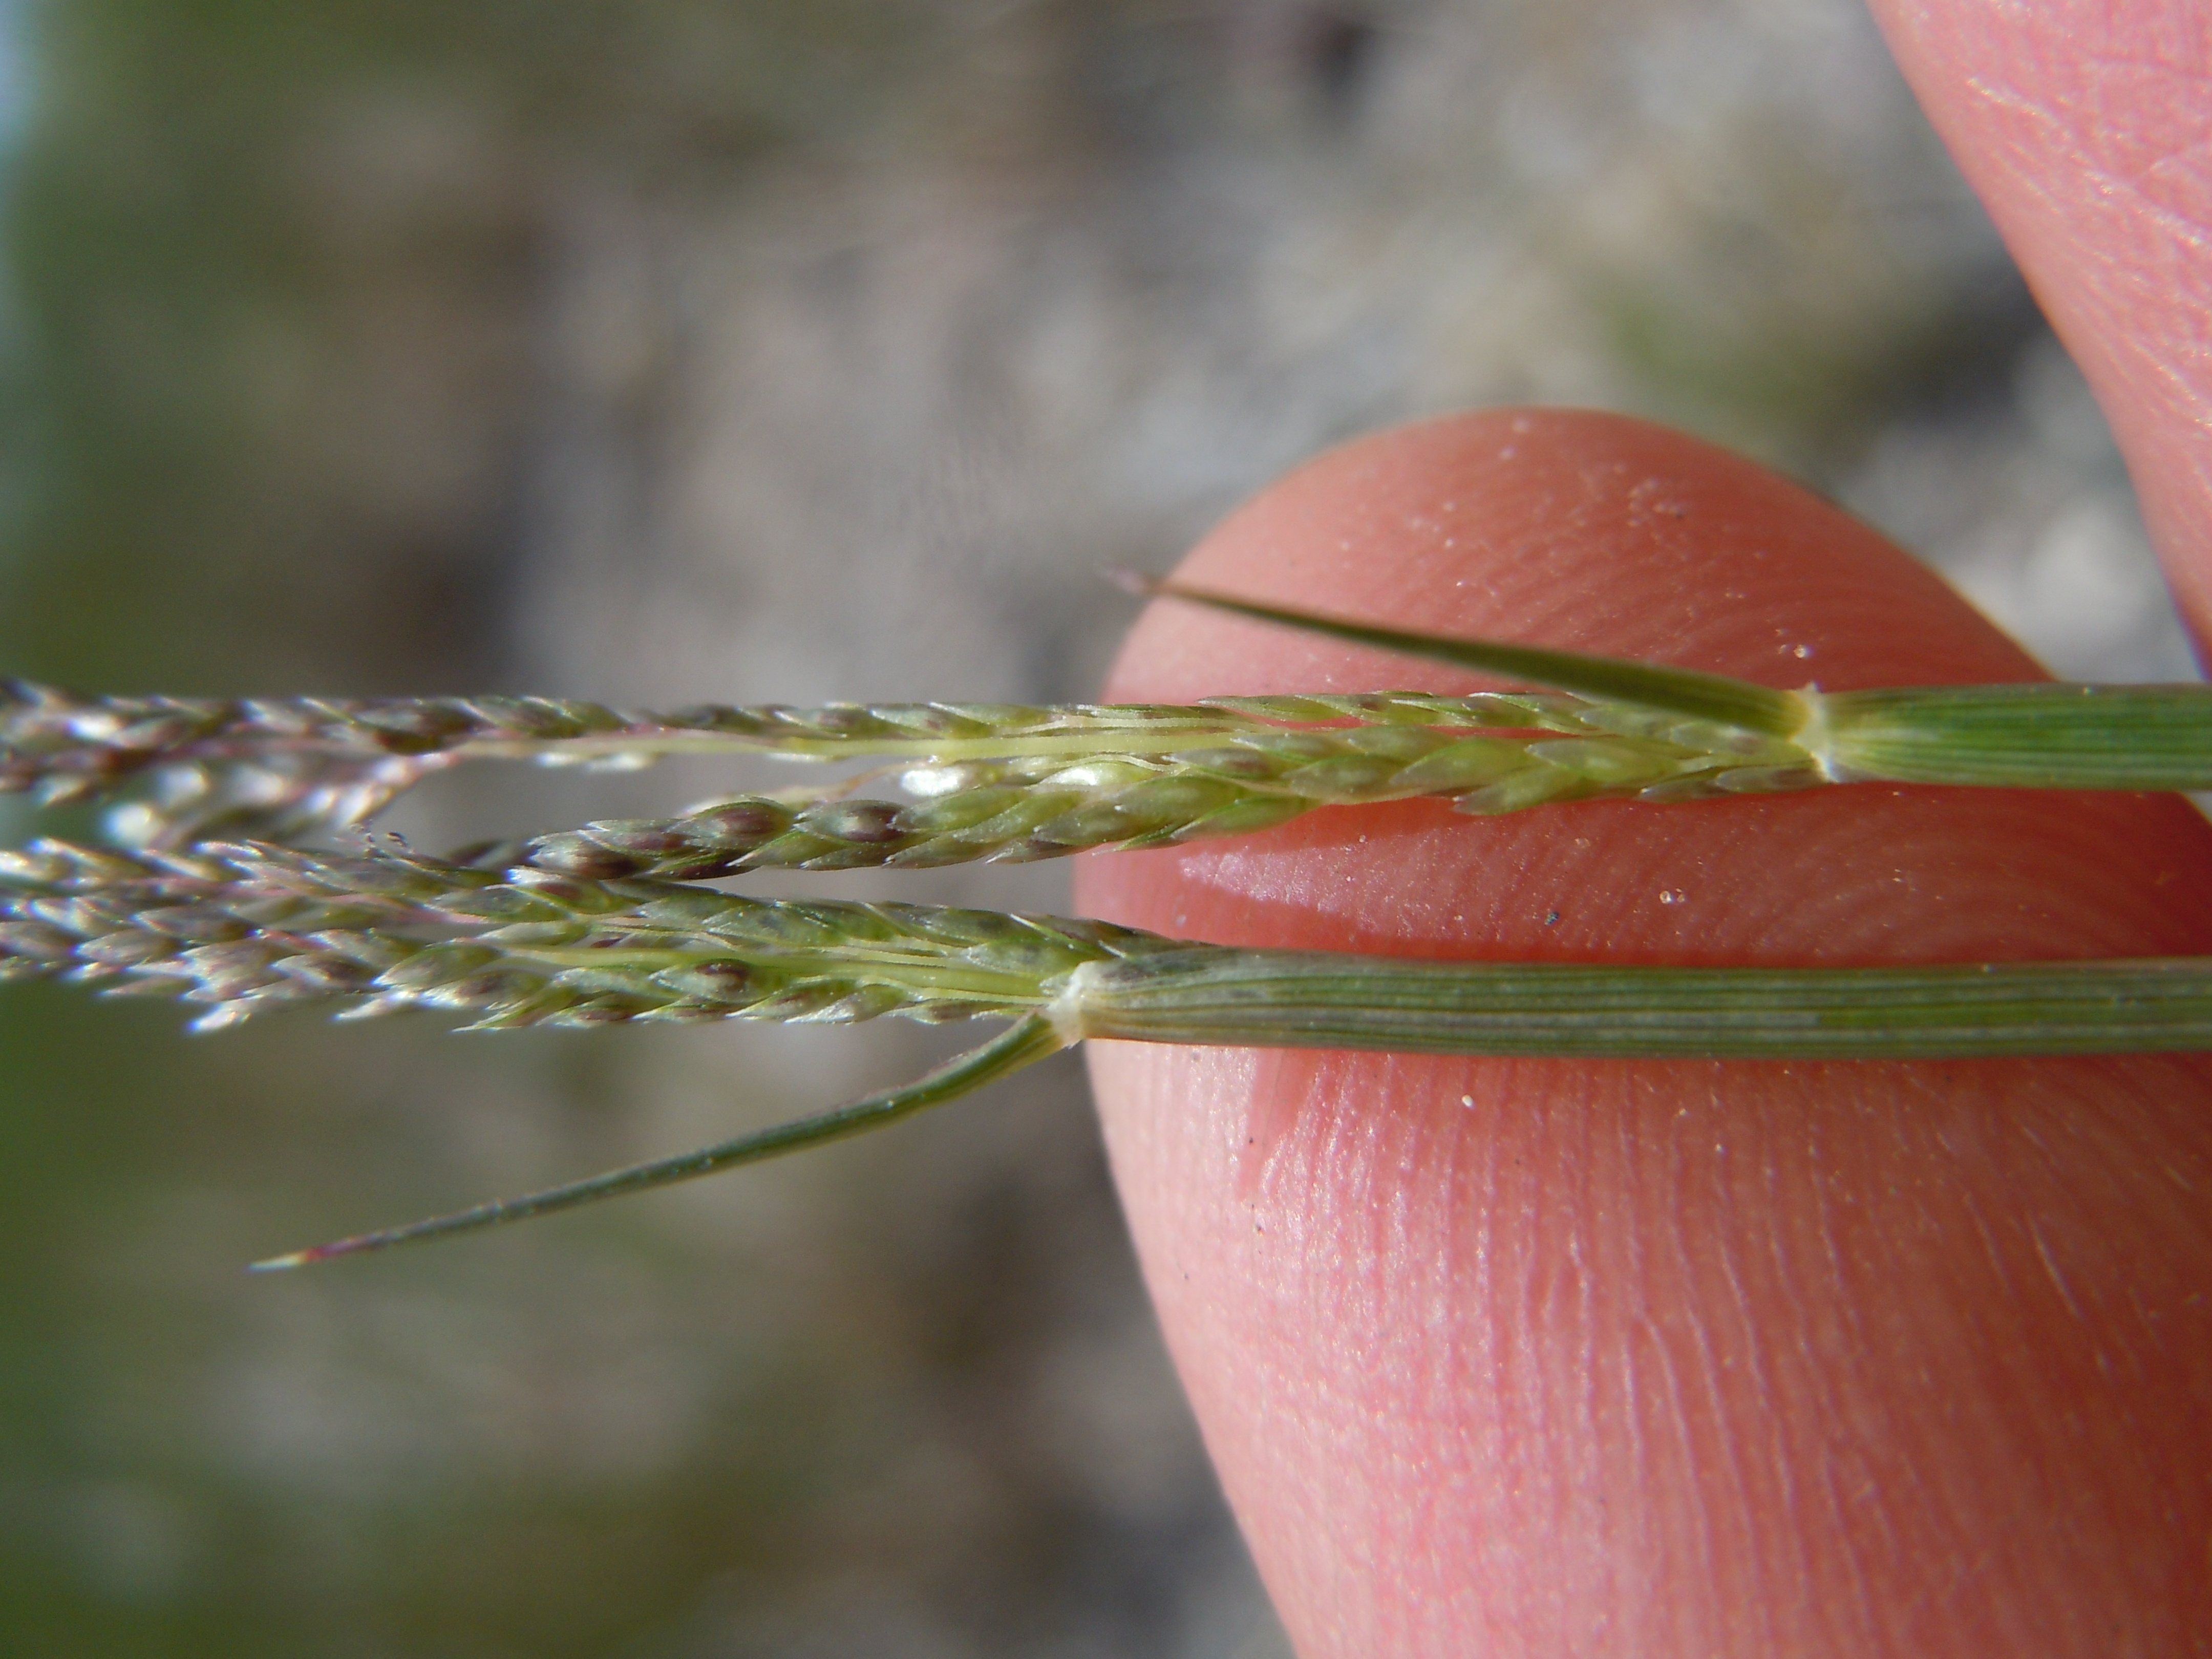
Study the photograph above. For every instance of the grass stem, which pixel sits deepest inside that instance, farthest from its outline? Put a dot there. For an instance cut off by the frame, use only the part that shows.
(1298, 1000)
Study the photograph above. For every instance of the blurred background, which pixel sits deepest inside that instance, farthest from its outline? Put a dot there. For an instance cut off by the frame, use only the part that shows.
(799, 349)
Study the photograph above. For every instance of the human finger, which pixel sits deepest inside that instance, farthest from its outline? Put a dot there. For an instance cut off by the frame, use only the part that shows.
(2081, 124)
(1670, 1358)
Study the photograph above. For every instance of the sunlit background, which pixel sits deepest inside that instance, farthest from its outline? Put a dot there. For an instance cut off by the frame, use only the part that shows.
(684, 349)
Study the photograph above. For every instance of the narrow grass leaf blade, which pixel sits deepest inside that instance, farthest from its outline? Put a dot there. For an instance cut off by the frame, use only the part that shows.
(1027, 1039)
(1681, 690)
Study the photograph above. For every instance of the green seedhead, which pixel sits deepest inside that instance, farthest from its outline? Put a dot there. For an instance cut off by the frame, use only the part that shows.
(214, 893)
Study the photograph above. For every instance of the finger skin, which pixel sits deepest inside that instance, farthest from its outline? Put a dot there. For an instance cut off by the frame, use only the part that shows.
(2083, 125)
(1660, 1358)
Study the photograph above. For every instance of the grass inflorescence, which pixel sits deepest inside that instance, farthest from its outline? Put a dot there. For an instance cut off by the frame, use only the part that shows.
(239, 879)
(992, 780)
(243, 928)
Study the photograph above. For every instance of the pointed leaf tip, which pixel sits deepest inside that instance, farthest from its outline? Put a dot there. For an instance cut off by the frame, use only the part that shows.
(1026, 1040)
(1684, 691)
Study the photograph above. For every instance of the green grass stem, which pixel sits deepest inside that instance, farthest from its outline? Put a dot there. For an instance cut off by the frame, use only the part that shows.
(2026, 737)
(1297, 1000)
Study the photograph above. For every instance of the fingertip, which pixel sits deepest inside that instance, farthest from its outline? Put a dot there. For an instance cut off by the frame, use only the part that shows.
(1591, 532)
(1380, 1274)
(2081, 124)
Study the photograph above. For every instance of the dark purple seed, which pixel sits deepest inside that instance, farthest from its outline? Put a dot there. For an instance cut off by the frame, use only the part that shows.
(595, 1013)
(571, 855)
(741, 824)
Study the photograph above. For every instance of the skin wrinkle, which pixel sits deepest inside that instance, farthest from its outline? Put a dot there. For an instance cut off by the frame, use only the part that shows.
(1624, 1543)
(1999, 1270)
(1898, 1486)
(1539, 1421)
(1503, 1366)
(1585, 1479)
(1451, 1487)
(1643, 1344)
(1735, 1498)
(1502, 1356)
(1581, 1415)
(1692, 1528)
(1837, 1396)
(1852, 1619)
(1766, 1390)
(1875, 1337)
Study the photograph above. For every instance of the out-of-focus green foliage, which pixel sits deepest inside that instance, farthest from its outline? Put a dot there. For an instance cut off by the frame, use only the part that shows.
(268, 394)
(272, 268)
